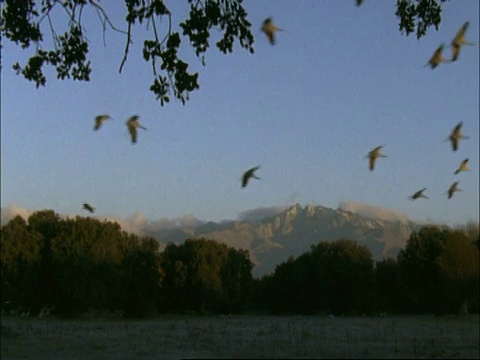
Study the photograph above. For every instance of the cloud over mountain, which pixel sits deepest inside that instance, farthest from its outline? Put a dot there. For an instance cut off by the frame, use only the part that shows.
(260, 213)
(187, 220)
(373, 212)
(136, 223)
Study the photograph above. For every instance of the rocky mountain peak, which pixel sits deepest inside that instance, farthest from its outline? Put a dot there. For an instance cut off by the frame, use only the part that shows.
(293, 230)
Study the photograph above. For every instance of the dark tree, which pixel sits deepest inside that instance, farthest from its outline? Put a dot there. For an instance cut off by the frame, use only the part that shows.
(19, 264)
(389, 293)
(142, 279)
(334, 277)
(237, 281)
(30, 22)
(419, 271)
(205, 276)
(459, 267)
(49, 225)
(348, 269)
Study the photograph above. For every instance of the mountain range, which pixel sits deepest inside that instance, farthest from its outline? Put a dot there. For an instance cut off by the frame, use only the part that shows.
(273, 239)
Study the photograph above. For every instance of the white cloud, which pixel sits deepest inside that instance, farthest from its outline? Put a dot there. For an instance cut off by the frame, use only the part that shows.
(260, 213)
(12, 210)
(375, 212)
(136, 224)
(187, 220)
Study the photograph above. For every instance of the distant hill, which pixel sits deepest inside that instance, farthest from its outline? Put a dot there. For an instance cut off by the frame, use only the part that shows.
(292, 231)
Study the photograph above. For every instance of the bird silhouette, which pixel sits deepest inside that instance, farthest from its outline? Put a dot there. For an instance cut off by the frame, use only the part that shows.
(463, 167)
(418, 194)
(459, 41)
(88, 207)
(456, 135)
(453, 189)
(373, 155)
(269, 28)
(436, 58)
(249, 174)
(132, 125)
(359, 2)
(99, 121)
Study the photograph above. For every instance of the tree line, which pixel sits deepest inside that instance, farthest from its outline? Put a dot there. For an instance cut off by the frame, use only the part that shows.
(437, 272)
(76, 264)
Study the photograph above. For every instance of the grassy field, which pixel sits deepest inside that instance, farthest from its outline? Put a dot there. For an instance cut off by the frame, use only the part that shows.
(176, 337)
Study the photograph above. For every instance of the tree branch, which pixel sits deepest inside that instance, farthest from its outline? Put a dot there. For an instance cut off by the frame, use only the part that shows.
(125, 54)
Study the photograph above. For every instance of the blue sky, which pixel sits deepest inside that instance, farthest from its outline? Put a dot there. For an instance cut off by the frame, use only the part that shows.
(340, 81)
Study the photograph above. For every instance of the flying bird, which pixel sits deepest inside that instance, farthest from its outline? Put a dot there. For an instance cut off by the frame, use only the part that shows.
(132, 125)
(459, 41)
(453, 189)
(436, 58)
(88, 207)
(99, 121)
(373, 155)
(249, 174)
(269, 28)
(359, 2)
(456, 136)
(463, 167)
(418, 194)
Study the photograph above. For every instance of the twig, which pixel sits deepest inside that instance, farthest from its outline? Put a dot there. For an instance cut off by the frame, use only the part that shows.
(107, 19)
(104, 26)
(126, 48)
(169, 28)
(156, 38)
(54, 34)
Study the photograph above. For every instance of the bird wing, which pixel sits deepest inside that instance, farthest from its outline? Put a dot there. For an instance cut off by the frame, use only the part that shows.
(371, 162)
(266, 22)
(99, 120)
(88, 207)
(271, 37)
(455, 52)
(376, 151)
(269, 29)
(133, 133)
(458, 127)
(450, 193)
(246, 176)
(436, 57)
(461, 33)
(454, 142)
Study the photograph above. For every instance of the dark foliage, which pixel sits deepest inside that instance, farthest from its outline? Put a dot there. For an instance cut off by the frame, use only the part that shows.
(26, 22)
(76, 265)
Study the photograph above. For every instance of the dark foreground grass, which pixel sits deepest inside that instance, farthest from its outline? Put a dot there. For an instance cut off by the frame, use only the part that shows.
(210, 337)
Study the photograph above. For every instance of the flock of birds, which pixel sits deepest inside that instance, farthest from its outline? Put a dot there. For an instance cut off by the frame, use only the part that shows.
(454, 138)
(456, 134)
(269, 28)
(132, 124)
(456, 45)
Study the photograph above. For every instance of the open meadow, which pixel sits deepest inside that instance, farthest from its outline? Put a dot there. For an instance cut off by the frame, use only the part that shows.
(242, 336)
